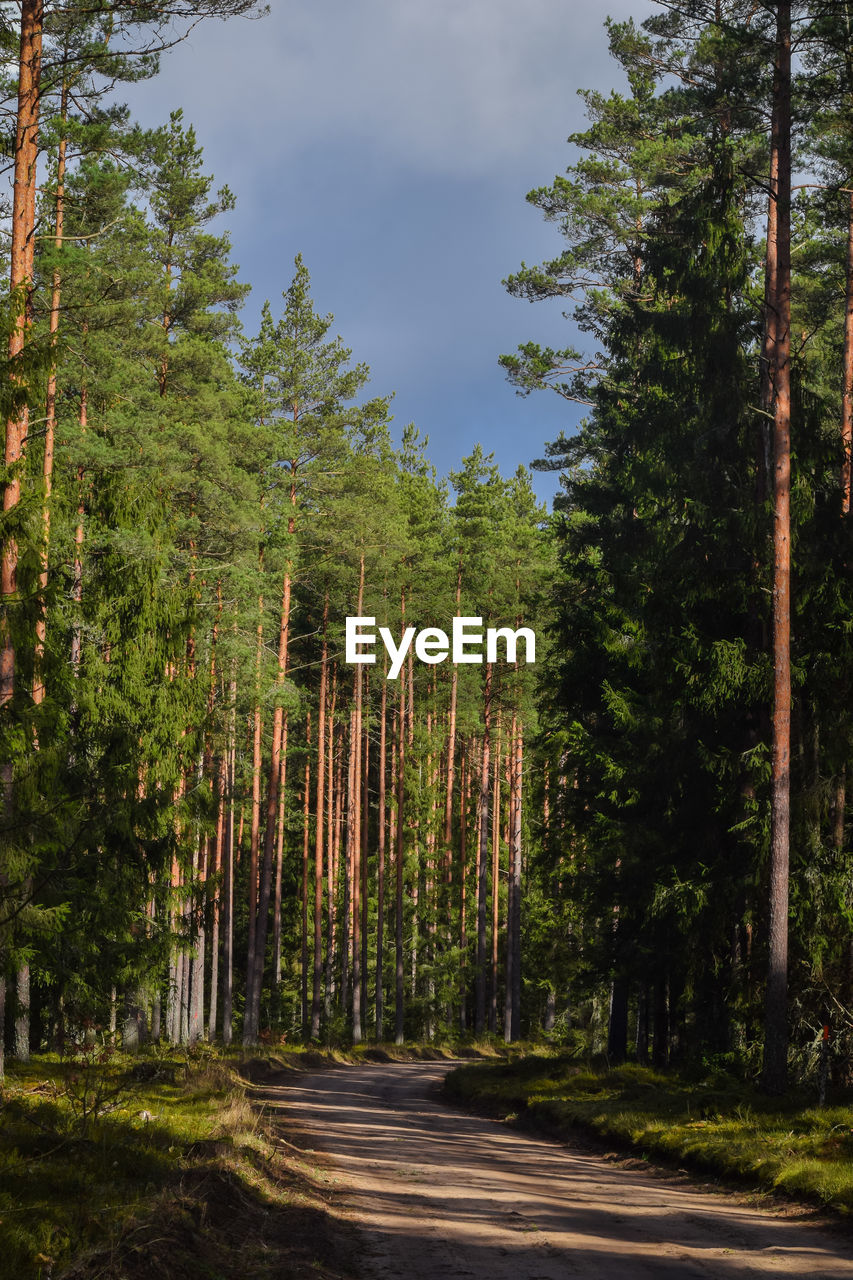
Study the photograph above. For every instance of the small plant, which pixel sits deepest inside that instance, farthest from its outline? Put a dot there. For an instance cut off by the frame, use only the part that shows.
(88, 1087)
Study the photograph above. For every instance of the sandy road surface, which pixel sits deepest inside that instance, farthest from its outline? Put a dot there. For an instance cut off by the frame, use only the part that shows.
(440, 1195)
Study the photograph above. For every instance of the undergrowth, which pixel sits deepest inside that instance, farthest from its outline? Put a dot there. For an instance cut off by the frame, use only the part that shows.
(156, 1165)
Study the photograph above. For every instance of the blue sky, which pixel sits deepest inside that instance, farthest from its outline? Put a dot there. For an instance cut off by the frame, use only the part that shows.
(392, 143)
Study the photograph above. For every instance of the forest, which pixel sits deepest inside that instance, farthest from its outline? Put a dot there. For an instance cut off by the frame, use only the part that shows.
(214, 826)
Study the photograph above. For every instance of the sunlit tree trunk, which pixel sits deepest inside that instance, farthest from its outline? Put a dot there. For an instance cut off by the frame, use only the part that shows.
(21, 254)
(355, 826)
(317, 993)
(496, 845)
(400, 848)
(306, 839)
(483, 860)
(463, 890)
(228, 883)
(278, 755)
(380, 870)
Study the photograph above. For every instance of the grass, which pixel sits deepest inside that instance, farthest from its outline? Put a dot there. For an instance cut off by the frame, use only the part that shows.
(156, 1166)
(136, 1168)
(715, 1124)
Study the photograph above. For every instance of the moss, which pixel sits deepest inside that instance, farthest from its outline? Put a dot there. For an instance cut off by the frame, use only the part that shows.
(715, 1124)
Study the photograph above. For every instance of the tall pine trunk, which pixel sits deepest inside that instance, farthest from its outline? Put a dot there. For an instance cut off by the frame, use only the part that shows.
(463, 890)
(400, 848)
(22, 253)
(306, 839)
(483, 860)
(278, 752)
(380, 869)
(496, 845)
(228, 882)
(317, 992)
(774, 1072)
(847, 371)
(50, 406)
(355, 824)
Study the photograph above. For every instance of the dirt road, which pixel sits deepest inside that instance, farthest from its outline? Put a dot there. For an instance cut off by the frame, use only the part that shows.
(439, 1194)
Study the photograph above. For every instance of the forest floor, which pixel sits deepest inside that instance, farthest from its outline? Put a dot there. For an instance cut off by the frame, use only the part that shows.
(160, 1167)
(180, 1165)
(434, 1194)
(711, 1123)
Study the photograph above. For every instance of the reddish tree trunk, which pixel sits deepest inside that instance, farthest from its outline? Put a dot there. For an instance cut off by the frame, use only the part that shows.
(380, 870)
(400, 848)
(317, 993)
(22, 250)
(463, 887)
(496, 845)
(306, 833)
(50, 408)
(774, 1073)
(355, 826)
(483, 860)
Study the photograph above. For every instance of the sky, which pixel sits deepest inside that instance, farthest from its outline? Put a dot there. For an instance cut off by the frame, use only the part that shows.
(392, 143)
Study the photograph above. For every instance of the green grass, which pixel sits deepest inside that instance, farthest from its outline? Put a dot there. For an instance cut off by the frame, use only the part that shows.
(160, 1160)
(717, 1124)
(146, 1167)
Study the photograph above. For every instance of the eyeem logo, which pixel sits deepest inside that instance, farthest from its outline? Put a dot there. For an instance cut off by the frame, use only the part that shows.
(432, 644)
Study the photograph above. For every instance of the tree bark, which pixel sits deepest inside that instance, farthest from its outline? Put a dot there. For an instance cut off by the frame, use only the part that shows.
(483, 861)
(400, 848)
(276, 779)
(255, 829)
(306, 837)
(847, 371)
(216, 905)
(228, 885)
(774, 1071)
(317, 993)
(512, 1019)
(50, 407)
(22, 251)
(380, 871)
(355, 824)
(463, 889)
(496, 846)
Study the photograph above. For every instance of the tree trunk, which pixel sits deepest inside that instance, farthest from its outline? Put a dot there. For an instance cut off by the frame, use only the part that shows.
(496, 864)
(50, 408)
(279, 866)
(363, 892)
(255, 830)
(334, 802)
(847, 371)
(317, 993)
(276, 781)
(400, 849)
(463, 889)
(22, 1015)
(22, 250)
(216, 904)
(483, 861)
(774, 1071)
(196, 1005)
(228, 885)
(512, 1021)
(380, 871)
(617, 1028)
(336, 818)
(306, 838)
(355, 822)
